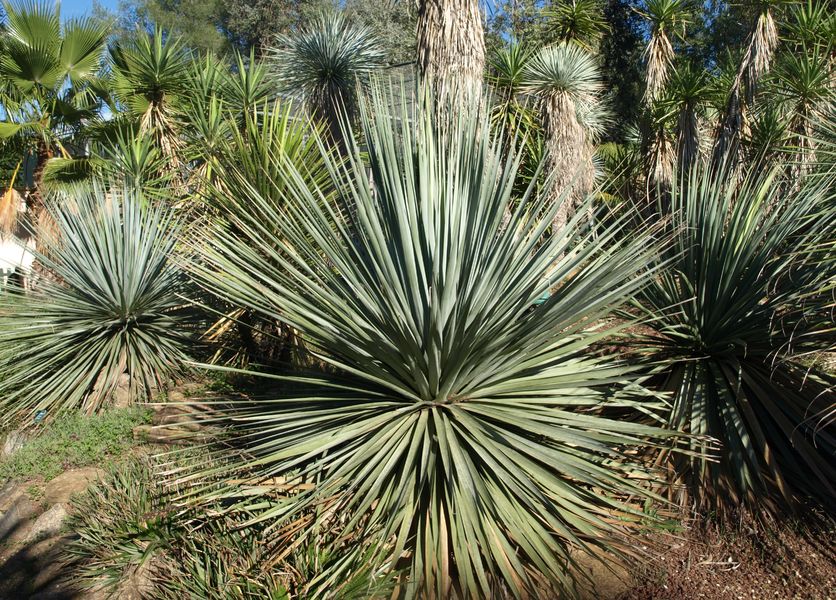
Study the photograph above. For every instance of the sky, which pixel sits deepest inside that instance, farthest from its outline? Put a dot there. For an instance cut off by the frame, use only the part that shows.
(79, 8)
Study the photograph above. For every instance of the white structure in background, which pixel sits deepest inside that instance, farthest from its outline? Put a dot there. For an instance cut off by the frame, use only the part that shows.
(15, 254)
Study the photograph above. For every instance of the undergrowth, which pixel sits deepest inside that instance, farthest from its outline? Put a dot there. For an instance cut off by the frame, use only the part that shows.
(74, 441)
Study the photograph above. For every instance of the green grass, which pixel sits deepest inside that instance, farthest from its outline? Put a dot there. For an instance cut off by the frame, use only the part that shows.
(74, 441)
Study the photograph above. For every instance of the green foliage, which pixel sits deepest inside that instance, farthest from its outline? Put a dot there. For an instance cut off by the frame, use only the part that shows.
(578, 21)
(513, 118)
(459, 429)
(49, 75)
(73, 441)
(110, 308)
(393, 23)
(748, 280)
(130, 521)
(123, 522)
(322, 64)
(565, 69)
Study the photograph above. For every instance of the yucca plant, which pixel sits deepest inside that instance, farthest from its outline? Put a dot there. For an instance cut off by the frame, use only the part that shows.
(754, 64)
(322, 63)
(268, 136)
(767, 135)
(810, 23)
(740, 300)
(801, 85)
(567, 81)
(513, 114)
(685, 98)
(109, 308)
(149, 74)
(666, 18)
(580, 22)
(456, 435)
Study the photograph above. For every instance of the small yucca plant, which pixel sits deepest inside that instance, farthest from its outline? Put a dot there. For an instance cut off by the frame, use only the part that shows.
(108, 308)
(741, 301)
(457, 434)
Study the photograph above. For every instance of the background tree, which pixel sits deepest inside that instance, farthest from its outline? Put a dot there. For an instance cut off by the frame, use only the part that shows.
(322, 63)
(567, 81)
(666, 20)
(621, 57)
(49, 81)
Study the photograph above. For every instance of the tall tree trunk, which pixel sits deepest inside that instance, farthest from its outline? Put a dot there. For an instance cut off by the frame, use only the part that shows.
(451, 48)
(568, 158)
(36, 196)
(688, 137)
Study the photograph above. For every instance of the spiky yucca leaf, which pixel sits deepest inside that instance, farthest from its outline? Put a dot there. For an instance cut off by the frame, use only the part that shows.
(459, 434)
(110, 308)
(748, 271)
(580, 22)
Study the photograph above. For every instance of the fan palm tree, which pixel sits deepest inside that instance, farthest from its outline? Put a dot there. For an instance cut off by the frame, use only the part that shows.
(666, 18)
(567, 81)
(454, 436)
(451, 48)
(322, 63)
(49, 80)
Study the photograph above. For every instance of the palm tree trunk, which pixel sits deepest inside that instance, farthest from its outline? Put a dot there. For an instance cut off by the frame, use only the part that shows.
(36, 196)
(688, 138)
(451, 47)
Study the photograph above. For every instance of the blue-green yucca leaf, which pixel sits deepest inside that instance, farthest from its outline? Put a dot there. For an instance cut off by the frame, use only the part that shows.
(751, 271)
(110, 307)
(460, 435)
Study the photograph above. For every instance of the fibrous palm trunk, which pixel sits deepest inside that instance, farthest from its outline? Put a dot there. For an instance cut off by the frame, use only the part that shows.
(688, 138)
(568, 157)
(451, 48)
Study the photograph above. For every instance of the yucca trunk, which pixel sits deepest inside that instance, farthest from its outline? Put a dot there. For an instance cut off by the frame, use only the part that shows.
(688, 138)
(568, 157)
(755, 64)
(659, 56)
(451, 47)
(660, 160)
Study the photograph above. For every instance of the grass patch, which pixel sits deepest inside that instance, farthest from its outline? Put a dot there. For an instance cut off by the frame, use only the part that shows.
(74, 441)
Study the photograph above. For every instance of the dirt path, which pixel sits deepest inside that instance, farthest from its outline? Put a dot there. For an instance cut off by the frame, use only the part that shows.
(33, 534)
